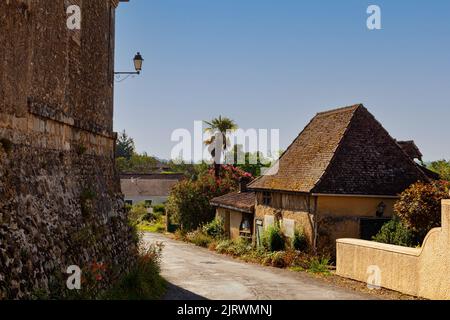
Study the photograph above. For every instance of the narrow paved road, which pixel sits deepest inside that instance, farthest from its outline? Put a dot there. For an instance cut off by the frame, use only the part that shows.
(196, 273)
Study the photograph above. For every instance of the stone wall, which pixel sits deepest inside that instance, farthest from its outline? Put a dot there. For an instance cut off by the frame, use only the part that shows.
(296, 207)
(420, 272)
(60, 198)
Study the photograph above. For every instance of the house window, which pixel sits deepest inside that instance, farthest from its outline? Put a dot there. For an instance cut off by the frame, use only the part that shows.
(267, 198)
(148, 203)
(246, 227)
(129, 202)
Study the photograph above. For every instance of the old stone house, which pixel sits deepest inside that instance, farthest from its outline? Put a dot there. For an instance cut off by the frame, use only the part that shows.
(152, 188)
(60, 198)
(237, 211)
(338, 179)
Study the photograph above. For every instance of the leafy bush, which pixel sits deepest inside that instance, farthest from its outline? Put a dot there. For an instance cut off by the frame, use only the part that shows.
(215, 228)
(273, 239)
(142, 220)
(394, 232)
(224, 246)
(299, 241)
(188, 204)
(236, 248)
(240, 247)
(137, 213)
(180, 235)
(441, 167)
(275, 259)
(143, 282)
(199, 238)
(319, 265)
(159, 209)
(419, 207)
(150, 217)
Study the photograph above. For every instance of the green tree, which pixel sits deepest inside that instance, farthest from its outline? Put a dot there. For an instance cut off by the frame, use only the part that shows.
(124, 146)
(138, 163)
(188, 204)
(254, 168)
(419, 206)
(441, 167)
(191, 171)
(219, 127)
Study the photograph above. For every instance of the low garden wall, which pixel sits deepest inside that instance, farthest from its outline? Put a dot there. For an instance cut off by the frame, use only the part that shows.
(420, 272)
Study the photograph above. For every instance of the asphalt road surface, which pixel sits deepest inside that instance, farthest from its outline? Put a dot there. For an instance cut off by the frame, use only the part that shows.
(195, 273)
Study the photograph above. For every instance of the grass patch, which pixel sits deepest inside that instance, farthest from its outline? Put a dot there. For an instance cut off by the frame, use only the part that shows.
(143, 282)
(297, 269)
(157, 227)
(199, 239)
(319, 266)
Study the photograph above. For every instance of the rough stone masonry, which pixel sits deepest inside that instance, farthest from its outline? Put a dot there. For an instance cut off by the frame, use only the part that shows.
(60, 198)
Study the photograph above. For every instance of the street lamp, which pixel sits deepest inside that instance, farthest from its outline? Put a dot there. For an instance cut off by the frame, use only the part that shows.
(138, 61)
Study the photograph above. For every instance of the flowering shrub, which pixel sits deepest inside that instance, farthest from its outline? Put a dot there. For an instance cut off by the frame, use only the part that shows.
(394, 232)
(419, 207)
(188, 203)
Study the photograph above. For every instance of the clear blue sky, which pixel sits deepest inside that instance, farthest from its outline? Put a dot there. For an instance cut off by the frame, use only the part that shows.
(276, 63)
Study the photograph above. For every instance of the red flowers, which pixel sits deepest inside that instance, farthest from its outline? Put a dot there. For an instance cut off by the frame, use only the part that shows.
(98, 270)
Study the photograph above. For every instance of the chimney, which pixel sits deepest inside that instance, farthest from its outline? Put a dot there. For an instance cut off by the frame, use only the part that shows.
(243, 182)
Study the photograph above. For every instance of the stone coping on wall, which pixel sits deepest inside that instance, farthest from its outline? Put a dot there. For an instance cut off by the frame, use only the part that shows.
(381, 246)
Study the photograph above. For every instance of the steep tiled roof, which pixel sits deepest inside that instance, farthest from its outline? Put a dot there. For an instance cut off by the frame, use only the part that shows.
(241, 201)
(343, 151)
(411, 149)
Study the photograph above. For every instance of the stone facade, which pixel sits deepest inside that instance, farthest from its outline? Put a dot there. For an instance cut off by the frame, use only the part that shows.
(60, 198)
(323, 219)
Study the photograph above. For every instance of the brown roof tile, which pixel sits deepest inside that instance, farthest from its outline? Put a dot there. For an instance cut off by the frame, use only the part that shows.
(411, 149)
(240, 201)
(343, 151)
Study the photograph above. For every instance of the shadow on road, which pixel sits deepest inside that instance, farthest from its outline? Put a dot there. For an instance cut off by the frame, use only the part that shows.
(177, 293)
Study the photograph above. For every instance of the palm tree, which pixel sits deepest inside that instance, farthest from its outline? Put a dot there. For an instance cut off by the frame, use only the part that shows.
(219, 126)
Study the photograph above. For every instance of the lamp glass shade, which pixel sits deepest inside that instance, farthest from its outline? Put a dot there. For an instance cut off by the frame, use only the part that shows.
(138, 60)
